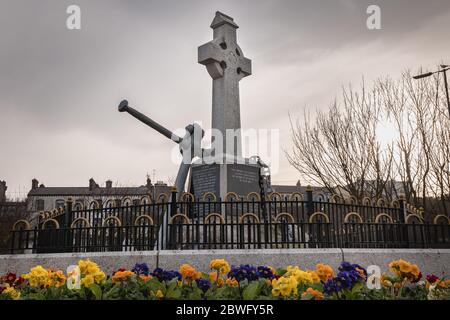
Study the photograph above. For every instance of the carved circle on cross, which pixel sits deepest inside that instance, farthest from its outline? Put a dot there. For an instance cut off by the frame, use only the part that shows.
(230, 58)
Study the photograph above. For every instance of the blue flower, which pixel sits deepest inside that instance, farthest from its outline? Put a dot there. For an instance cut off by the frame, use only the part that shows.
(345, 279)
(141, 269)
(332, 286)
(203, 284)
(265, 272)
(163, 275)
(345, 266)
(243, 272)
(349, 274)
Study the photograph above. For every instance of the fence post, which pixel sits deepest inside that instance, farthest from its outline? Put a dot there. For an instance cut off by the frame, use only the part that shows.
(403, 213)
(309, 201)
(68, 213)
(13, 233)
(171, 235)
(67, 241)
(173, 201)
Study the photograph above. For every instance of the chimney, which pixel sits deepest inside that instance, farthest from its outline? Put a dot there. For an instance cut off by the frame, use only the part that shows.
(34, 184)
(92, 184)
(149, 184)
(3, 188)
(108, 184)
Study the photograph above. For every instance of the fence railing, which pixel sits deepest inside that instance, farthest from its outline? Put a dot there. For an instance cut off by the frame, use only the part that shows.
(291, 222)
(198, 236)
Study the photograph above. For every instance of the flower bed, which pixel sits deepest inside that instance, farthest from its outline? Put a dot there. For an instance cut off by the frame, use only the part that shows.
(245, 282)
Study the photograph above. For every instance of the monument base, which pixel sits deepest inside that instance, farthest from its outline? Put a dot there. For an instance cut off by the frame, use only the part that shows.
(221, 179)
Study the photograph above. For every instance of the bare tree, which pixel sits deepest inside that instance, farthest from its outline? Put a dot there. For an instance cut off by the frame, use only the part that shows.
(418, 110)
(341, 149)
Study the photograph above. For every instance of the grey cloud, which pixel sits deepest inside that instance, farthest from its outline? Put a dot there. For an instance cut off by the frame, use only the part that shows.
(59, 89)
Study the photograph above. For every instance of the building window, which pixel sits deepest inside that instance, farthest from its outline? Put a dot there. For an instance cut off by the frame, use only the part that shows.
(79, 204)
(40, 205)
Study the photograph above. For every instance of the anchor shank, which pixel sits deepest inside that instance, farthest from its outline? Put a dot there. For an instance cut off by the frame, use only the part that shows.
(152, 124)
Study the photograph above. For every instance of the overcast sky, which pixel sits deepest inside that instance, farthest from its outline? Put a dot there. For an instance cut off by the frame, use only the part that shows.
(59, 89)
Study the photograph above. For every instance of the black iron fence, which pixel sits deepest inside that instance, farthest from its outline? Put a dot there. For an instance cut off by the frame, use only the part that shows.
(250, 223)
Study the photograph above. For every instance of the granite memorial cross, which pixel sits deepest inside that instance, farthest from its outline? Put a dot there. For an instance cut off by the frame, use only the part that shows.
(226, 65)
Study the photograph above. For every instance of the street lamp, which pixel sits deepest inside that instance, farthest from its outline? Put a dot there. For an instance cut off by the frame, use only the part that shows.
(444, 69)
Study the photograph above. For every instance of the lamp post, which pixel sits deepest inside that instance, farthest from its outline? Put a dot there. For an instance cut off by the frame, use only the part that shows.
(444, 69)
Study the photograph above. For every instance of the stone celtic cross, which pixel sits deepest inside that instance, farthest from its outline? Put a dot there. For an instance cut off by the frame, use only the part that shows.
(227, 65)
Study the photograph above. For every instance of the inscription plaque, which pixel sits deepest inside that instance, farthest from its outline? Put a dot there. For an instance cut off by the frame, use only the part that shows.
(243, 179)
(205, 178)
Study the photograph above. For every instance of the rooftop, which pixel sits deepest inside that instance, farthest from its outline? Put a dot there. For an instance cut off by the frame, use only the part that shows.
(95, 190)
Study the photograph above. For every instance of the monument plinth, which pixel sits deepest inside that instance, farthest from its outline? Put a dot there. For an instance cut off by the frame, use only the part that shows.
(221, 179)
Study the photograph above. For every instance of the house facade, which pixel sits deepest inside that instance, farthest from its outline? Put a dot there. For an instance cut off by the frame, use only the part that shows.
(319, 193)
(42, 198)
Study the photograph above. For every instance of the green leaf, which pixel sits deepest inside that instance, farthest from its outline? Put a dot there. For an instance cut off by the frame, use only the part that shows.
(252, 290)
(96, 290)
(281, 272)
(173, 291)
(357, 287)
(308, 296)
(196, 294)
(36, 296)
(154, 285)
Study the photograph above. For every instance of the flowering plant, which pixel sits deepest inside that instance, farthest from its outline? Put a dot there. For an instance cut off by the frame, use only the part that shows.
(243, 282)
(438, 289)
(403, 281)
(348, 282)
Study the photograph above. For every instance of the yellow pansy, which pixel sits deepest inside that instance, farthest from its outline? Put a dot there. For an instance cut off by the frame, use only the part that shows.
(91, 271)
(37, 277)
(284, 286)
(315, 277)
(300, 275)
(159, 294)
(11, 292)
(220, 265)
(87, 280)
(232, 282)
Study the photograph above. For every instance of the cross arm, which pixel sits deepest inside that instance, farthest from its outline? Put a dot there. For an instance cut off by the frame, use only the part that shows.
(245, 66)
(209, 53)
